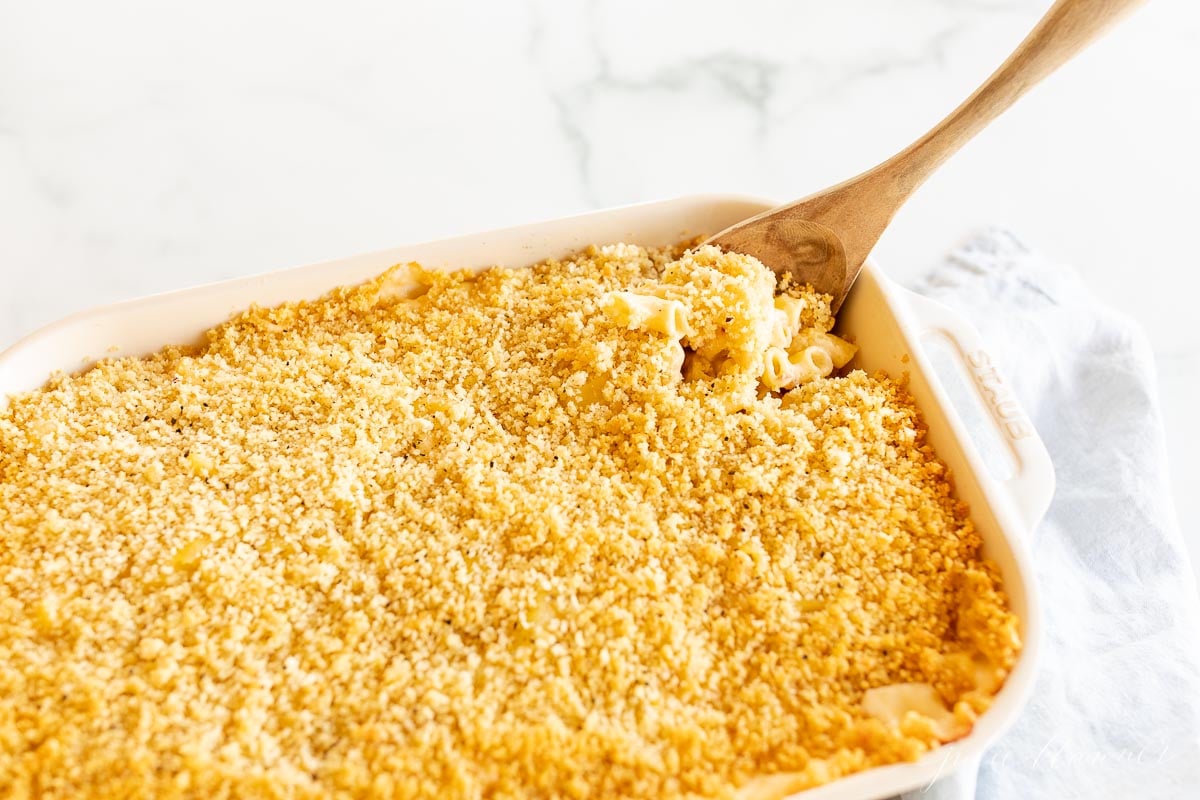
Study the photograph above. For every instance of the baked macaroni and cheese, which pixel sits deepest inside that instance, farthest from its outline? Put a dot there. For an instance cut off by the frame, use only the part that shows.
(619, 525)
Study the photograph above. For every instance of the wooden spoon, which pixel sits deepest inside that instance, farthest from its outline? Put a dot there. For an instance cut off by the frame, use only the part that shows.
(824, 238)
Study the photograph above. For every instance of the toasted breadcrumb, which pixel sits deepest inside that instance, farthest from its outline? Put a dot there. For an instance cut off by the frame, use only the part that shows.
(457, 535)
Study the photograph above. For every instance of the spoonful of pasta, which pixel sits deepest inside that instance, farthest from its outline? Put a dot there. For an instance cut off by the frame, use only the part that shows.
(824, 238)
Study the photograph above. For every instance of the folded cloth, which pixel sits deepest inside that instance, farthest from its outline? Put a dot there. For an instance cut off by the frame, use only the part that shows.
(1115, 711)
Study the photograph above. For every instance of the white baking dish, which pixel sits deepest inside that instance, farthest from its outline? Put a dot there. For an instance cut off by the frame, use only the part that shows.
(887, 322)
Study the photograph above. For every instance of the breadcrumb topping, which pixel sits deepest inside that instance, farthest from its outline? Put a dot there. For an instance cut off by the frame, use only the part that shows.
(463, 535)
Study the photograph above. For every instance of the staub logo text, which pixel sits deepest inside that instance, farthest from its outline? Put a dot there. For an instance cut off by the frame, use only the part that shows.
(999, 396)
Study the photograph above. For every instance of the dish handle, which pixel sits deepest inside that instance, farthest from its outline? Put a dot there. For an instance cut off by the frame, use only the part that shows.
(1031, 486)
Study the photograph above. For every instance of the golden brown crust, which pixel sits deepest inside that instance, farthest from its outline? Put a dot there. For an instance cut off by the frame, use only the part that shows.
(478, 542)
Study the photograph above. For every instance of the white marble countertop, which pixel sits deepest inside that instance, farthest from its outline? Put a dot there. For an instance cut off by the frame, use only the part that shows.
(147, 146)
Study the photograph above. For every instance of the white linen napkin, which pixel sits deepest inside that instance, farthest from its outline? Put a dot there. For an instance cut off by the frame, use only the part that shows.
(1116, 706)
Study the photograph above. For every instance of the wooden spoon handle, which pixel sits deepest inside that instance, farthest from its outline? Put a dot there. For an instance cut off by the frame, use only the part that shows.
(1068, 27)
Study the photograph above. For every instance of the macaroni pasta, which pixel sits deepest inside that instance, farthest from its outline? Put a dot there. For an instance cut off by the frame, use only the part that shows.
(777, 337)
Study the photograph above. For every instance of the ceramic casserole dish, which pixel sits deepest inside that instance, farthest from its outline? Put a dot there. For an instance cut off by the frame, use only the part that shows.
(891, 326)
